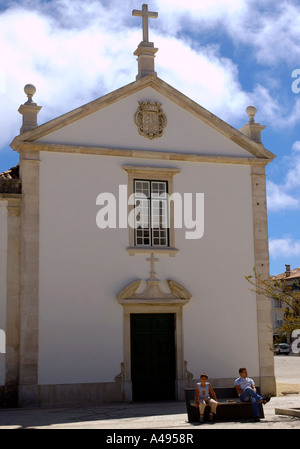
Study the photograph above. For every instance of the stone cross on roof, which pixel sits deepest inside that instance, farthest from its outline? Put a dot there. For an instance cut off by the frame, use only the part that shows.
(145, 14)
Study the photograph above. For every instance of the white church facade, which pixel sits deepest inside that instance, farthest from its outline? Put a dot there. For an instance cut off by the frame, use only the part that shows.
(124, 243)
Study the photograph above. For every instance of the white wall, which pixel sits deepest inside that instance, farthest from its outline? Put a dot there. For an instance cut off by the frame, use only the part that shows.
(3, 285)
(82, 268)
(221, 319)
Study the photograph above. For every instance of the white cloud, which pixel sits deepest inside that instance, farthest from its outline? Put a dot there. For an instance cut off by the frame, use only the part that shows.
(272, 110)
(286, 195)
(69, 66)
(266, 31)
(296, 147)
(269, 29)
(278, 199)
(177, 14)
(74, 55)
(274, 35)
(293, 175)
(204, 76)
(286, 247)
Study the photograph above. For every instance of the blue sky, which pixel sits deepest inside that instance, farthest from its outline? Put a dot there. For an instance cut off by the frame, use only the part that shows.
(224, 54)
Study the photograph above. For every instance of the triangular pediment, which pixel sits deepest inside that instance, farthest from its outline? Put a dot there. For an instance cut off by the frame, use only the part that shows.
(108, 122)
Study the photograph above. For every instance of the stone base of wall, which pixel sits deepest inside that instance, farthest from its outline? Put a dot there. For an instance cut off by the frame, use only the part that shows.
(268, 385)
(95, 393)
(98, 393)
(9, 396)
(55, 395)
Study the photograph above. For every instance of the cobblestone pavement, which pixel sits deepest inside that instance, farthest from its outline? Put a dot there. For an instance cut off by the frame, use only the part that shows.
(165, 415)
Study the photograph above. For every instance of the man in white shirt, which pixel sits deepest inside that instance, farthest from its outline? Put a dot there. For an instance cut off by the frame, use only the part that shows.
(246, 390)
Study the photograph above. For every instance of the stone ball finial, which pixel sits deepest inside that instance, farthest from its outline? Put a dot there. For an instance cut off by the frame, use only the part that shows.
(251, 111)
(29, 90)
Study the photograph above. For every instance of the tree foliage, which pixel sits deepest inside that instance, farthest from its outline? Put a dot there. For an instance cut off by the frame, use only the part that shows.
(281, 290)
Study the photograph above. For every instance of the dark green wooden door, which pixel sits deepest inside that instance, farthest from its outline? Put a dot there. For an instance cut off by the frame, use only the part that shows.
(152, 356)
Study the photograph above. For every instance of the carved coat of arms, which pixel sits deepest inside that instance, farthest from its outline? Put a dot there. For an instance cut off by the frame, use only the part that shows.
(150, 119)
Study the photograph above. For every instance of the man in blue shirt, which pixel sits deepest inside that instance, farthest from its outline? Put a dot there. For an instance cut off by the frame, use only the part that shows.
(246, 390)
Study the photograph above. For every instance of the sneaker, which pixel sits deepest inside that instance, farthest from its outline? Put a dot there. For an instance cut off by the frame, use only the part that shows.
(201, 418)
(211, 417)
(266, 399)
(257, 419)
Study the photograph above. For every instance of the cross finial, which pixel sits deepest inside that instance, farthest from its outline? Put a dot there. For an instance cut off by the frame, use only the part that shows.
(152, 260)
(145, 14)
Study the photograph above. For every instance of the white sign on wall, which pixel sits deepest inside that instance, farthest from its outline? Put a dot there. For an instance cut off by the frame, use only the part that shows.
(2, 342)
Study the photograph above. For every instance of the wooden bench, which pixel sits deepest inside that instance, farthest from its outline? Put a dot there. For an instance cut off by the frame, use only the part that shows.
(230, 407)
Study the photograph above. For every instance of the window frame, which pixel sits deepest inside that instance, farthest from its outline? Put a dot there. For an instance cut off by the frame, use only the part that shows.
(163, 174)
(151, 200)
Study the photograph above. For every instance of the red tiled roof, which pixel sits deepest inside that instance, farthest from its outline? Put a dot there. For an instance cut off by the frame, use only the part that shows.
(12, 173)
(294, 274)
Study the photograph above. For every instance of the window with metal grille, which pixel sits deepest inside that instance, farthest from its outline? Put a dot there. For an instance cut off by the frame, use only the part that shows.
(151, 213)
